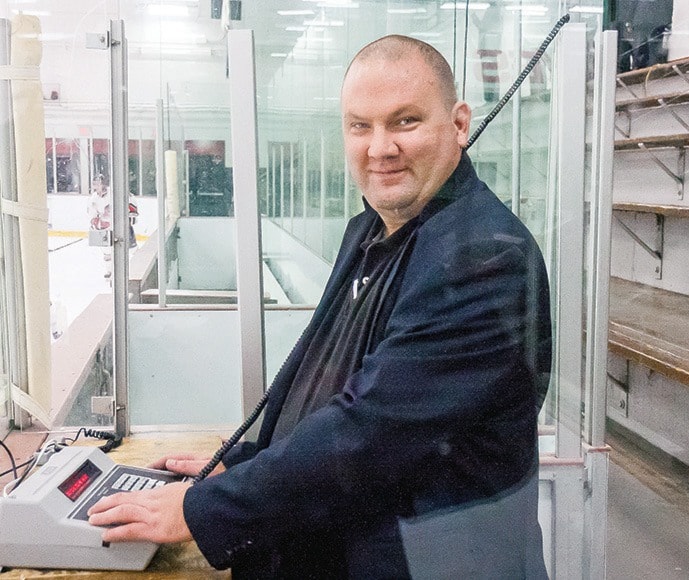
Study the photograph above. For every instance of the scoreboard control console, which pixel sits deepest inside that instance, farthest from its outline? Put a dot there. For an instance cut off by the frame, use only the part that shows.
(43, 522)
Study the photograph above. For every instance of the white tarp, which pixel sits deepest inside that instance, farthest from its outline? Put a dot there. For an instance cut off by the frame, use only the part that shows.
(32, 209)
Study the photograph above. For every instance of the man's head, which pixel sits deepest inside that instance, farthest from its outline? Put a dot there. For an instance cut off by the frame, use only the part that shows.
(404, 129)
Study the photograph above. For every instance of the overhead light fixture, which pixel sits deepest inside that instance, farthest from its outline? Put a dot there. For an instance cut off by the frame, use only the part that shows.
(323, 22)
(169, 50)
(172, 10)
(463, 6)
(296, 12)
(337, 4)
(278, 54)
(334, 3)
(406, 11)
(535, 10)
(188, 3)
(425, 34)
(587, 9)
(303, 43)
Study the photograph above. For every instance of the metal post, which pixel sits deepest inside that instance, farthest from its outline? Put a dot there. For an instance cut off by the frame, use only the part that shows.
(273, 188)
(282, 185)
(140, 166)
(160, 190)
(568, 287)
(53, 142)
(291, 186)
(120, 199)
(517, 123)
(322, 201)
(304, 187)
(599, 238)
(571, 116)
(248, 219)
(84, 163)
(185, 160)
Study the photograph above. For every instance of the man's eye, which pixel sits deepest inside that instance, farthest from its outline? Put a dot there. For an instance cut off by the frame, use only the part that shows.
(358, 126)
(406, 121)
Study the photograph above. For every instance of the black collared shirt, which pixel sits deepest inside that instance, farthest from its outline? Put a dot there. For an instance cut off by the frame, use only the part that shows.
(352, 327)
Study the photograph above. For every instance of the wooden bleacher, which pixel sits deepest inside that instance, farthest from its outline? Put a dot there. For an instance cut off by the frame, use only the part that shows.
(652, 142)
(653, 101)
(667, 210)
(655, 72)
(650, 326)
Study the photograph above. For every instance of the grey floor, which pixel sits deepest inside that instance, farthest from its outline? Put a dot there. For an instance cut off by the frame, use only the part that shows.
(648, 537)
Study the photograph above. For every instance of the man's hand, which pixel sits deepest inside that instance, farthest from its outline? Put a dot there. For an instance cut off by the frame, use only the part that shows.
(185, 464)
(155, 515)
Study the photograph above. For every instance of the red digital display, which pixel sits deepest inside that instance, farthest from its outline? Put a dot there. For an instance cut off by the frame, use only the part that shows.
(79, 481)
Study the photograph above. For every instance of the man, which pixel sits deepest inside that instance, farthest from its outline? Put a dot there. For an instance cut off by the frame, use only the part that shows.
(400, 436)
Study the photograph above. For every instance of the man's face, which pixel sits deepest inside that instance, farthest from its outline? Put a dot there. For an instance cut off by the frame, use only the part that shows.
(402, 141)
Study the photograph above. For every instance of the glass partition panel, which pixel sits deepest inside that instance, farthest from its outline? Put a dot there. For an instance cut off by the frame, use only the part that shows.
(179, 95)
(179, 58)
(533, 155)
(179, 178)
(307, 192)
(59, 343)
(177, 61)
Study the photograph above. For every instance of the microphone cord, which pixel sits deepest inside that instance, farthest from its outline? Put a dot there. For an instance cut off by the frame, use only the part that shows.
(520, 79)
(233, 440)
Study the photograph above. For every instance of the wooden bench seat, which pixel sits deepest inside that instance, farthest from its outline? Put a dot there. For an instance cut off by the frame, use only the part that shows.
(650, 326)
(657, 71)
(652, 142)
(653, 101)
(667, 210)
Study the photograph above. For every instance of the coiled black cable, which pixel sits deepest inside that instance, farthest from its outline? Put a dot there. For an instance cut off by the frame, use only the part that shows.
(112, 440)
(520, 79)
(12, 461)
(232, 441)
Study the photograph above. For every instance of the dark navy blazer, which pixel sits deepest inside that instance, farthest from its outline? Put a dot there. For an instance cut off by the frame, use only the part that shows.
(443, 411)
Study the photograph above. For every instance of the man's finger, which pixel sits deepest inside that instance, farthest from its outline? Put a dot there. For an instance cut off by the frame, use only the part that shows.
(119, 515)
(161, 462)
(109, 502)
(185, 466)
(134, 532)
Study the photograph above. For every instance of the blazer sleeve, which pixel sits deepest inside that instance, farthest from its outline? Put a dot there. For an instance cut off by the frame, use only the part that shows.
(454, 360)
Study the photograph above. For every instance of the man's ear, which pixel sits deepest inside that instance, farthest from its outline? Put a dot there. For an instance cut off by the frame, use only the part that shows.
(461, 117)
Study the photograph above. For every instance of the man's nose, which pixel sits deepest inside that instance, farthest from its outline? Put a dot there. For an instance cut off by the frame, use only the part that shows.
(382, 144)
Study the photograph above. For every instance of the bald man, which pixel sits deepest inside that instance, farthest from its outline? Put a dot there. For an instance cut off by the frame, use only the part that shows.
(400, 436)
